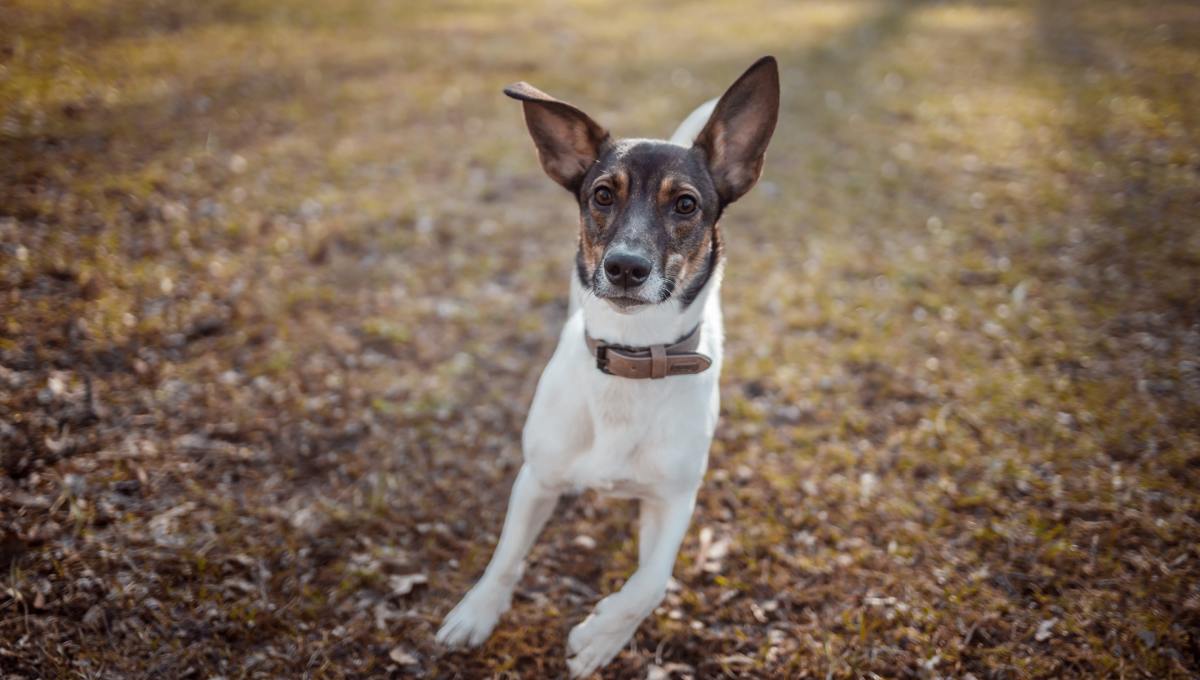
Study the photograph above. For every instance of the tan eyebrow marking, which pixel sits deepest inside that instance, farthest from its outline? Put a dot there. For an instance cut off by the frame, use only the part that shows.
(621, 178)
(666, 189)
(672, 185)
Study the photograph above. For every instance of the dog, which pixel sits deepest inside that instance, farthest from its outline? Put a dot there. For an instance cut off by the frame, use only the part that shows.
(629, 401)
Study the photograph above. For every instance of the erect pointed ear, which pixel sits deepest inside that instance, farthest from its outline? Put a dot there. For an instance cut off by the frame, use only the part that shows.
(568, 141)
(735, 138)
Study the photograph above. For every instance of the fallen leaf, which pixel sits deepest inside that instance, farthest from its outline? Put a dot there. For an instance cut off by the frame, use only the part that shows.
(656, 672)
(403, 585)
(1045, 629)
(402, 657)
(736, 660)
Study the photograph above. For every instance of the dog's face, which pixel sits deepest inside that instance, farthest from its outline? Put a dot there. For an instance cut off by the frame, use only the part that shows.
(648, 213)
(648, 209)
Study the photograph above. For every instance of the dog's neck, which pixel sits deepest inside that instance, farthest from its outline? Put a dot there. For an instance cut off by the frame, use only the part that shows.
(664, 323)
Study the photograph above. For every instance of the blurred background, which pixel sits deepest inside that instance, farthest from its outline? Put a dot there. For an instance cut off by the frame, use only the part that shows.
(277, 279)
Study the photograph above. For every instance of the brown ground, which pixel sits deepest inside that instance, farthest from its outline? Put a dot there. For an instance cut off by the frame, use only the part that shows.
(277, 278)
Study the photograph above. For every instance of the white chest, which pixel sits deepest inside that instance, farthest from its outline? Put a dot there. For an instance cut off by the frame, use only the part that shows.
(623, 437)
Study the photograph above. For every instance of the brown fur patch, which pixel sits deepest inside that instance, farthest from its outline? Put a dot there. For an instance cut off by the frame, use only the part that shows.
(590, 249)
(621, 181)
(695, 261)
(666, 190)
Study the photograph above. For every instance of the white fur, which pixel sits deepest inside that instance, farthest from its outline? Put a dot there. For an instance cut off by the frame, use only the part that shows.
(643, 439)
(691, 126)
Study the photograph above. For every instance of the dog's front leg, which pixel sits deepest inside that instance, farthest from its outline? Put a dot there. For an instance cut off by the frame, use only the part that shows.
(650, 519)
(597, 640)
(472, 621)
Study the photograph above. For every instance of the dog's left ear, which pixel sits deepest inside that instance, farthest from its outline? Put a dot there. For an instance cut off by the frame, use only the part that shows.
(735, 138)
(568, 141)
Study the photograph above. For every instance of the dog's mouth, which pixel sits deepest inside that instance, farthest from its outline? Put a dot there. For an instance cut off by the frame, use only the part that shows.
(628, 300)
(625, 303)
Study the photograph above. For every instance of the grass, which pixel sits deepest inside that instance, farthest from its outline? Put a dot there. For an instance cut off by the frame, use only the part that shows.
(264, 353)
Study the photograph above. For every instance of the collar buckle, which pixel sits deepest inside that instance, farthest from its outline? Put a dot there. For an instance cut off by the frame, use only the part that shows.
(602, 357)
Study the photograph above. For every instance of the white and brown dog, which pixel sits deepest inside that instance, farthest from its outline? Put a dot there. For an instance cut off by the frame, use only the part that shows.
(629, 401)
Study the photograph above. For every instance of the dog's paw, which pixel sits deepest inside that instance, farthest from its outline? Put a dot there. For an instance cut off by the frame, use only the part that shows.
(472, 621)
(595, 641)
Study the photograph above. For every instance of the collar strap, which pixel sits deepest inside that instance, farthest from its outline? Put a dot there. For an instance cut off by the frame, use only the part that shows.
(655, 361)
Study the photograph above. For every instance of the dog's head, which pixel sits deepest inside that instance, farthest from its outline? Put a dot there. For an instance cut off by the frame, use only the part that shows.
(649, 209)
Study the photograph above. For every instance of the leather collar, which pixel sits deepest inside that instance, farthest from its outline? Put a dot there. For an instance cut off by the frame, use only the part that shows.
(655, 361)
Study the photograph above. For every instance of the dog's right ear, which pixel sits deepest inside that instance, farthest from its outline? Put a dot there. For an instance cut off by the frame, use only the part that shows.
(568, 141)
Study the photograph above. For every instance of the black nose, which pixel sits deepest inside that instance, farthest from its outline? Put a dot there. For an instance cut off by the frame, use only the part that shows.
(626, 269)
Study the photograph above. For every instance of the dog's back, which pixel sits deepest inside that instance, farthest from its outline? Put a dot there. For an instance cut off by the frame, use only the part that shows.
(691, 126)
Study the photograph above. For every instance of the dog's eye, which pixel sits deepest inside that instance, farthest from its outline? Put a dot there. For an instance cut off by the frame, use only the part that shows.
(685, 205)
(603, 196)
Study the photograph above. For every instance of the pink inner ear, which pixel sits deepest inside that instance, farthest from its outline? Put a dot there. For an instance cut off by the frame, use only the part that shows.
(567, 140)
(729, 159)
(742, 138)
(560, 142)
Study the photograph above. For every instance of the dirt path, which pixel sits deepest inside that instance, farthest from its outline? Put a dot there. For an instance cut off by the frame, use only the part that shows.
(276, 280)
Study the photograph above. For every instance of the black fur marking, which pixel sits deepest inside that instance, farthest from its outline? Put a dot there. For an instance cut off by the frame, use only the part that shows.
(581, 269)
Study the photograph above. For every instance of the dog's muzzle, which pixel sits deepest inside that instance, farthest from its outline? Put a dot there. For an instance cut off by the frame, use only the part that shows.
(655, 361)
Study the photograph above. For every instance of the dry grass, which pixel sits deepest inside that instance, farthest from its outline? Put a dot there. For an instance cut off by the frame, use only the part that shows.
(264, 350)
